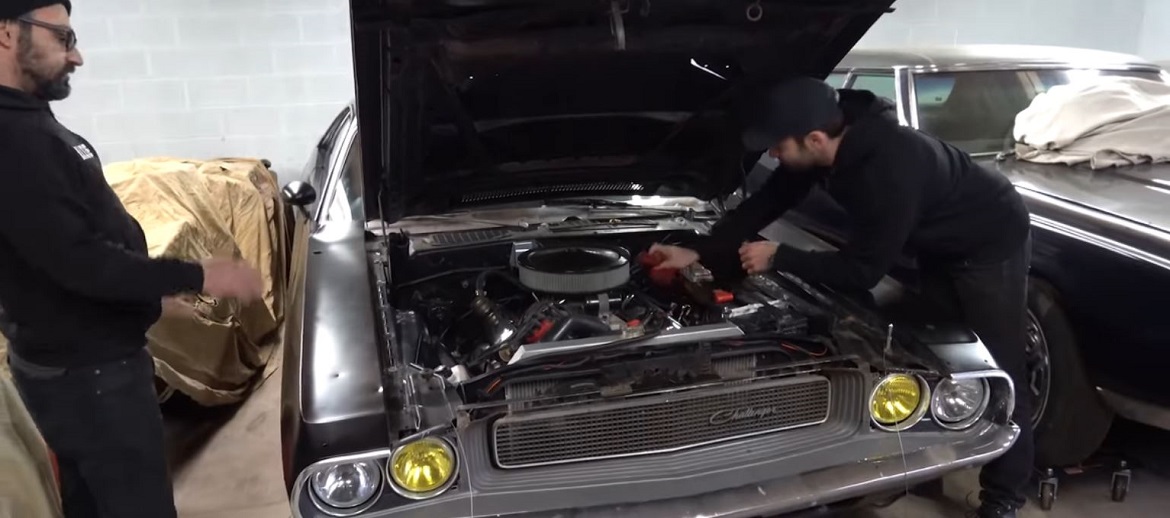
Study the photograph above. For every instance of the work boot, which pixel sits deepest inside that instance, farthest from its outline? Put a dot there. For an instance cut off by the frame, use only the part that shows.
(995, 511)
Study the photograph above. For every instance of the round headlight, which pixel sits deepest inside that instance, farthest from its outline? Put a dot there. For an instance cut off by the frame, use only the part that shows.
(958, 403)
(896, 401)
(348, 485)
(423, 468)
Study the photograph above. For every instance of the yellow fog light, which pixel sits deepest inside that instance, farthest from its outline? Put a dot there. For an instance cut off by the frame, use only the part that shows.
(896, 402)
(423, 468)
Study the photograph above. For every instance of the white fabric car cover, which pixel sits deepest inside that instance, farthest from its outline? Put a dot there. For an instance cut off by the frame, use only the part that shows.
(1104, 122)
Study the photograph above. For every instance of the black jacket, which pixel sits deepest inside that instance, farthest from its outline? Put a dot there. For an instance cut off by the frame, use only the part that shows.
(76, 284)
(902, 189)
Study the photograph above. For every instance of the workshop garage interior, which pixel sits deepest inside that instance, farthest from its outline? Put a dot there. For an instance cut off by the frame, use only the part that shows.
(590, 258)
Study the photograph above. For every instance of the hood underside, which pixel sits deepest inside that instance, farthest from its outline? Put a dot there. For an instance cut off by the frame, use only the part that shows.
(535, 99)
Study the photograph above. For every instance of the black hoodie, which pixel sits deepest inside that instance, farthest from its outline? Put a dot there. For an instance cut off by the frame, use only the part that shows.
(76, 284)
(902, 189)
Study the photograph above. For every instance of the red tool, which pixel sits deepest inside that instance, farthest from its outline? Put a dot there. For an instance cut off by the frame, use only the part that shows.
(658, 276)
(722, 296)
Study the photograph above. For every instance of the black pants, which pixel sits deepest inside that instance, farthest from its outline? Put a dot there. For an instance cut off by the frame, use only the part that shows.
(992, 300)
(104, 425)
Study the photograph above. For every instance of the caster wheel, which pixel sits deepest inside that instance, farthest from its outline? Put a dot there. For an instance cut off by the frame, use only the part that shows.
(1048, 486)
(1120, 486)
(1047, 496)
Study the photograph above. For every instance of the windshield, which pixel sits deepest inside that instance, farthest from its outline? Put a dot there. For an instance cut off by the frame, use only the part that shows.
(976, 110)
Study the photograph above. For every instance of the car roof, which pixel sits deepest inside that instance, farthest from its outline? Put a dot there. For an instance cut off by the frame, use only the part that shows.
(989, 56)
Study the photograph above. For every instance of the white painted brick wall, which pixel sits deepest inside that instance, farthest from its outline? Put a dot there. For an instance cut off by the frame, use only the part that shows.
(1100, 24)
(1155, 42)
(208, 78)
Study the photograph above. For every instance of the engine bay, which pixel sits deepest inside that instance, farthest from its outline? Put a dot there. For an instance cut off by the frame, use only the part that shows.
(532, 323)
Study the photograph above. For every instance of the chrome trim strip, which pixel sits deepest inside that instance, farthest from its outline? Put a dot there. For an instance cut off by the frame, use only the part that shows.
(912, 97)
(706, 333)
(732, 388)
(342, 148)
(1100, 241)
(968, 422)
(900, 95)
(1136, 409)
(1021, 66)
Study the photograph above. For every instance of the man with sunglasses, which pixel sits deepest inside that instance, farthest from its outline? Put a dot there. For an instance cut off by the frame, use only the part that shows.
(78, 290)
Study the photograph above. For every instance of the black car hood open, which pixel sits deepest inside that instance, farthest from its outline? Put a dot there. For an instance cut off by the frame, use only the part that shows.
(470, 101)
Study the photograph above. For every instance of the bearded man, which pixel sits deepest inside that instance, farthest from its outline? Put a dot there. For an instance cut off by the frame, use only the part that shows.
(78, 290)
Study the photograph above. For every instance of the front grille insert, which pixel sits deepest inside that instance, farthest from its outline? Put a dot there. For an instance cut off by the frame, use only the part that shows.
(659, 423)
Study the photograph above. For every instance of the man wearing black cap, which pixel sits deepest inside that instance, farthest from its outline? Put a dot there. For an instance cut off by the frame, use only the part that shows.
(903, 190)
(77, 288)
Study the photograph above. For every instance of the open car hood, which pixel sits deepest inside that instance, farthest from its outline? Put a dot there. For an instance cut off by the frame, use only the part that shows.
(471, 101)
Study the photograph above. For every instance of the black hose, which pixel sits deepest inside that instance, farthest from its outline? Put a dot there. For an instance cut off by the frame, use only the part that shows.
(481, 281)
(440, 275)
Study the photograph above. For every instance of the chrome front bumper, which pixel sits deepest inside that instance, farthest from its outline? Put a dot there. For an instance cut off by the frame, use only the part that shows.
(789, 493)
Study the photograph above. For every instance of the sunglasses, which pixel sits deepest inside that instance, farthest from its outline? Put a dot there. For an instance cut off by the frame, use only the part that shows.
(65, 34)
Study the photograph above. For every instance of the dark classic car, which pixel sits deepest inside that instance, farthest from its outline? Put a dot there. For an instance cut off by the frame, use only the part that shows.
(473, 329)
(1099, 340)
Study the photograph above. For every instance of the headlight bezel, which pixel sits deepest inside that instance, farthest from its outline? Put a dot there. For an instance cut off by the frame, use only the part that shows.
(403, 492)
(925, 396)
(969, 421)
(345, 512)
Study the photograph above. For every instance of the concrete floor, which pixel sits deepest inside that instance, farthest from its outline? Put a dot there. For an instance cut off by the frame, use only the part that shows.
(227, 465)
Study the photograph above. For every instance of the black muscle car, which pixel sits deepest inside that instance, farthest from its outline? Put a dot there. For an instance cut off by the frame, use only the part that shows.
(473, 329)
(1098, 337)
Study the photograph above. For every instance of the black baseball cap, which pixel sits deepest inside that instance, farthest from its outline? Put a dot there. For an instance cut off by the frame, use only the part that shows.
(791, 108)
(13, 9)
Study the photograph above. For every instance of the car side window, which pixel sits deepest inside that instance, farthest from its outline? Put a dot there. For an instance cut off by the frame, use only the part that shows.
(974, 110)
(882, 85)
(836, 79)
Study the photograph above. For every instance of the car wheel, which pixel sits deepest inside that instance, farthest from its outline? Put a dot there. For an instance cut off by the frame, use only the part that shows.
(1069, 418)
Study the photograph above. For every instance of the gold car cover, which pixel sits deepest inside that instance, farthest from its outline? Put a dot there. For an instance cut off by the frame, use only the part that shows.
(191, 210)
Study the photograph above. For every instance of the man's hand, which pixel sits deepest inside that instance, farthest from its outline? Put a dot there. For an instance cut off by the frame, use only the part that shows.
(757, 257)
(230, 278)
(177, 308)
(674, 257)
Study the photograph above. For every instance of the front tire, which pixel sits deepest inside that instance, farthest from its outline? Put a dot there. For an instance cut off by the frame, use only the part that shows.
(1069, 418)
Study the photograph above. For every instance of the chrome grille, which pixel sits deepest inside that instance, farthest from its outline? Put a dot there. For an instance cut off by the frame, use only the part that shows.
(659, 423)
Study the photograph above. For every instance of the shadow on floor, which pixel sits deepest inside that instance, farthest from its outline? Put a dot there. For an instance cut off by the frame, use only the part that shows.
(188, 428)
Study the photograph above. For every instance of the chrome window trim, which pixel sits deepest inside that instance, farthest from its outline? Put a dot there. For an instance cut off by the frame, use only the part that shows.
(1034, 65)
(342, 147)
(904, 89)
